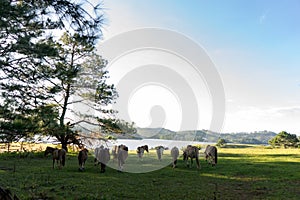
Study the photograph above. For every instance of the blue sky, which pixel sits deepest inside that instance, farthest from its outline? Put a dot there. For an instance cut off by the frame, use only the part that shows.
(255, 46)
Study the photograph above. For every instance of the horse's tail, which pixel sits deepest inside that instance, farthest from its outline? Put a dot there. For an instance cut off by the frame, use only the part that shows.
(216, 155)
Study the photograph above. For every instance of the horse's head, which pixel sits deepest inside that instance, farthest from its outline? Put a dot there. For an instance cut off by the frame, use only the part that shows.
(125, 148)
(48, 150)
(185, 156)
(146, 148)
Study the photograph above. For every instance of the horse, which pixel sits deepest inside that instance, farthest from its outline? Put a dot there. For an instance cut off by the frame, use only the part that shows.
(159, 151)
(122, 154)
(102, 156)
(174, 154)
(191, 152)
(211, 155)
(82, 157)
(140, 151)
(57, 154)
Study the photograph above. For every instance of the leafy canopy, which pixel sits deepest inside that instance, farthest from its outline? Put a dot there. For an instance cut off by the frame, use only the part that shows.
(284, 139)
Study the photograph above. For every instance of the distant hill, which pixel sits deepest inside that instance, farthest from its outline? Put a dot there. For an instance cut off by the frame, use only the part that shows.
(260, 137)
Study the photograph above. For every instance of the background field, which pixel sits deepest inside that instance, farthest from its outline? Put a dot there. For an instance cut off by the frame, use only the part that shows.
(243, 172)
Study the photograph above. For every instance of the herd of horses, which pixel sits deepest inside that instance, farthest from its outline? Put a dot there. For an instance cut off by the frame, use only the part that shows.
(120, 154)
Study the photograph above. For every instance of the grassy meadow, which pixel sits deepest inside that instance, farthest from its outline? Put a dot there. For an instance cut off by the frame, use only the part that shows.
(242, 172)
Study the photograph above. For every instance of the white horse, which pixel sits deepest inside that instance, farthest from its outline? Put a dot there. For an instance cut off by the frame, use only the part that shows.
(102, 156)
(159, 151)
(122, 154)
(175, 155)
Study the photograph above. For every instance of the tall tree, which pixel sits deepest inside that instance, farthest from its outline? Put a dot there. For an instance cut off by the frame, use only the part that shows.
(27, 54)
(80, 87)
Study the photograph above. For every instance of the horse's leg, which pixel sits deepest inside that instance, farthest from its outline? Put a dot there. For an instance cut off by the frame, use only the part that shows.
(216, 156)
(174, 163)
(213, 163)
(53, 163)
(58, 163)
(208, 159)
(121, 163)
(102, 167)
(81, 165)
(186, 161)
(198, 163)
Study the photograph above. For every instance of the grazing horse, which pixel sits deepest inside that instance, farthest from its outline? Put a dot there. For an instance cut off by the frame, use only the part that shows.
(82, 157)
(57, 154)
(159, 151)
(191, 152)
(140, 151)
(211, 155)
(102, 156)
(122, 154)
(174, 154)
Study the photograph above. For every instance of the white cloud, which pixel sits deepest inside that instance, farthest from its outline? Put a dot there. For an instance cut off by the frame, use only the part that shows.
(263, 17)
(277, 119)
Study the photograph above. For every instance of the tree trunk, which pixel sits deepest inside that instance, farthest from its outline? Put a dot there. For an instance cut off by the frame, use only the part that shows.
(8, 147)
(64, 145)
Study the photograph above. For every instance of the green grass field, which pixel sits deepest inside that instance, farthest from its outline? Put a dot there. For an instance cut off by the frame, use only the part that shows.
(243, 172)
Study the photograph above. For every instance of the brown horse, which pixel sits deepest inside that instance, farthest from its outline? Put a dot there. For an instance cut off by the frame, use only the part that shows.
(191, 152)
(57, 154)
(211, 155)
(140, 151)
(82, 157)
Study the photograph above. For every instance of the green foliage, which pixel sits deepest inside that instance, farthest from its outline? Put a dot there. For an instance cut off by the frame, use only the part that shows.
(27, 36)
(117, 126)
(14, 126)
(284, 139)
(221, 142)
(37, 67)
